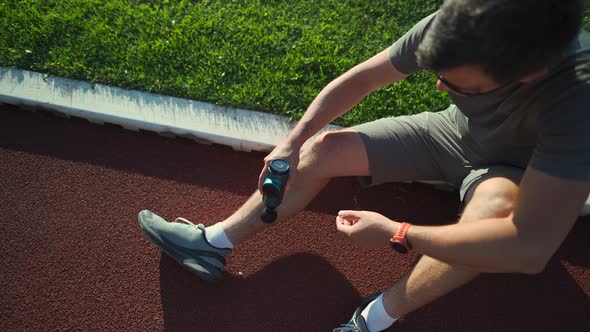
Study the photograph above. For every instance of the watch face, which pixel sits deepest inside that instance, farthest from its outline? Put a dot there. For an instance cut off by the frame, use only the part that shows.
(399, 248)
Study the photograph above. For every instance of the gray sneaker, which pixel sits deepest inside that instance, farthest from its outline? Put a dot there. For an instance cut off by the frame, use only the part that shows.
(357, 322)
(186, 243)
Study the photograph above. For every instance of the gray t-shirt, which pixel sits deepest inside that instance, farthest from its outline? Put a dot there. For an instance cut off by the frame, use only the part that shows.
(545, 123)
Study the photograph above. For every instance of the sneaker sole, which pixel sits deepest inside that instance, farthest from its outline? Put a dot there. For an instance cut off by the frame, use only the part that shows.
(174, 255)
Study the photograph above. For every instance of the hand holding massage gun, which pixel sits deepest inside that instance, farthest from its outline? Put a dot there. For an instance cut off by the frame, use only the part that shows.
(273, 188)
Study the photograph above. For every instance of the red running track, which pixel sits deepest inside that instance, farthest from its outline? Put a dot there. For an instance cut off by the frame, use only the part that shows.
(74, 257)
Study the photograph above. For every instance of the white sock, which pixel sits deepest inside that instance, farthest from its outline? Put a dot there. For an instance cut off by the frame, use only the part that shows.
(376, 317)
(217, 237)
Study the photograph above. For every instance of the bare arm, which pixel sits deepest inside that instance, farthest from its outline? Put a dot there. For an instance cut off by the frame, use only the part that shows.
(335, 99)
(344, 93)
(547, 208)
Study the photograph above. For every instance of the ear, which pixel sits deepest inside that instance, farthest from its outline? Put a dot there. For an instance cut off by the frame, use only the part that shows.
(533, 76)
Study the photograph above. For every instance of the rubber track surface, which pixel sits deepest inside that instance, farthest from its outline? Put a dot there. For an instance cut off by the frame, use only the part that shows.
(74, 258)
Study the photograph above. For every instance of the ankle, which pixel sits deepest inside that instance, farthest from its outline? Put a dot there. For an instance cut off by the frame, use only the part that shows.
(241, 228)
(217, 237)
(376, 316)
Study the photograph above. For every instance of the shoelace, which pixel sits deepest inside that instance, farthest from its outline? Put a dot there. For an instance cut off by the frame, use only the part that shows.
(347, 328)
(185, 220)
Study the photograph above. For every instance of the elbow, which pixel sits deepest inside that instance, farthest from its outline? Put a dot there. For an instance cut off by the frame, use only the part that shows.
(531, 268)
(531, 260)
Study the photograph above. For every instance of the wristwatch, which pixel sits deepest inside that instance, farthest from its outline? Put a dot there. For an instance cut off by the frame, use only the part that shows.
(399, 241)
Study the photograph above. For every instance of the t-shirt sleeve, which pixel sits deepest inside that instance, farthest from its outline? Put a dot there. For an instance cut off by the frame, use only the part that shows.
(563, 147)
(402, 52)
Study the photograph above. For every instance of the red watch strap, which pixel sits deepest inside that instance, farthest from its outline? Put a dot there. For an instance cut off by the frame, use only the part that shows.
(402, 231)
(401, 237)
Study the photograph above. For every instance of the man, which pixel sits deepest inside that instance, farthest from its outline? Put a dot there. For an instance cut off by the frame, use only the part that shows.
(516, 143)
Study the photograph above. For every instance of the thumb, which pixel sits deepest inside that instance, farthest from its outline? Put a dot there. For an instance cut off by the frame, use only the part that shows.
(350, 214)
(343, 225)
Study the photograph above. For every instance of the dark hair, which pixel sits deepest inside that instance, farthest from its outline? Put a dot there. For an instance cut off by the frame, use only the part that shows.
(508, 38)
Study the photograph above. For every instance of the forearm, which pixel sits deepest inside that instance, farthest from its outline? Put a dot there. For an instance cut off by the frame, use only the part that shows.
(343, 94)
(490, 245)
(335, 99)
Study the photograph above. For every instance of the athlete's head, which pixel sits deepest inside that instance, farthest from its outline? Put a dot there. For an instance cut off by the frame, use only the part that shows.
(505, 39)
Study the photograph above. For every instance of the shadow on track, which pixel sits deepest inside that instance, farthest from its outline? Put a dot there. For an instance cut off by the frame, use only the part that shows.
(302, 292)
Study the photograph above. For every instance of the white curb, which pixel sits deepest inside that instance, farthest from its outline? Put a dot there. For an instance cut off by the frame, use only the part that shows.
(241, 129)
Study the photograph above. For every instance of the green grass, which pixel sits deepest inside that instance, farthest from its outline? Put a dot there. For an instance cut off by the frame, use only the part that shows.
(272, 56)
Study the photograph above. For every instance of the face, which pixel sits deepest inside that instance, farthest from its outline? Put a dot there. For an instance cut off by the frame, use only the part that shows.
(472, 80)
(468, 80)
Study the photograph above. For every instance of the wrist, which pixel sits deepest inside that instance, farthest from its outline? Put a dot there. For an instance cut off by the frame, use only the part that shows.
(300, 134)
(391, 229)
(292, 143)
(399, 240)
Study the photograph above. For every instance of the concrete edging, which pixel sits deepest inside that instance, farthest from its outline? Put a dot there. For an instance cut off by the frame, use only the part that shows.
(243, 130)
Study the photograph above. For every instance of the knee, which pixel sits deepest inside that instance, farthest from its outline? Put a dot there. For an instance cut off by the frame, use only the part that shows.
(496, 197)
(321, 147)
(326, 142)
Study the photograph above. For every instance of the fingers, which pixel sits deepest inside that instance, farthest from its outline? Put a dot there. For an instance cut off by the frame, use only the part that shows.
(344, 222)
(346, 219)
(261, 179)
(343, 225)
(347, 225)
(263, 174)
(350, 214)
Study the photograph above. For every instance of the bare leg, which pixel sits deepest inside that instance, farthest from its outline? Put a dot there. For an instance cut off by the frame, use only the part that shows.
(431, 278)
(333, 154)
